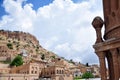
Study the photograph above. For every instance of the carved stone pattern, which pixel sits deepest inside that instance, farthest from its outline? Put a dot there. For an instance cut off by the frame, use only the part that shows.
(113, 34)
(110, 47)
(112, 22)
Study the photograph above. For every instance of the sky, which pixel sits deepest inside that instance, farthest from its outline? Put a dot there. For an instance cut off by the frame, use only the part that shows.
(61, 26)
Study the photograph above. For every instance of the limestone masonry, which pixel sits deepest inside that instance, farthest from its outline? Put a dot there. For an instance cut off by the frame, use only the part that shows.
(108, 48)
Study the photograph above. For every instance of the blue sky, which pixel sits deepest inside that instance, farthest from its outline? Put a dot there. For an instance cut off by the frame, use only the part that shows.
(61, 26)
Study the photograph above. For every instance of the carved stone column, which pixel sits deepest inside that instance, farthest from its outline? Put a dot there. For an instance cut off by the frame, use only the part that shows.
(110, 65)
(119, 60)
(106, 7)
(101, 56)
(115, 64)
(114, 5)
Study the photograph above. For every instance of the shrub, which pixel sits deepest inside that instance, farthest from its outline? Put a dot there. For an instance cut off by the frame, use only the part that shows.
(87, 75)
(9, 45)
(77, 78)
(42, 56)
(17, 61)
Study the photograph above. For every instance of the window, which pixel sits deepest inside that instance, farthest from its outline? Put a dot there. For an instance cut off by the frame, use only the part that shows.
(35, 72)
(57, 72)
(51, 72)
(62, 72)
(32, 72)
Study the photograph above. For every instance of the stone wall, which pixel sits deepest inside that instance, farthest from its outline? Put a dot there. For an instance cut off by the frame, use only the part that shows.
(18, 77)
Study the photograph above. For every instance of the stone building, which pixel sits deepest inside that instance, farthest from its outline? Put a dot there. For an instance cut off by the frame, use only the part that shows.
(35, 70)
(56, 71)
(4, 68)
(30, 71)
(95, 69)
(6, 54)
(76, 71)
(108, 48)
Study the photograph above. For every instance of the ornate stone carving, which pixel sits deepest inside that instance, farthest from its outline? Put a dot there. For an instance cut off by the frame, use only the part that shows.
(97, 24)
(109, 49)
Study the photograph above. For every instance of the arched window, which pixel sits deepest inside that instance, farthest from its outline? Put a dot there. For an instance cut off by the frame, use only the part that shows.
(62, 72)
(57, 71)
(35, 72)
(32, 72)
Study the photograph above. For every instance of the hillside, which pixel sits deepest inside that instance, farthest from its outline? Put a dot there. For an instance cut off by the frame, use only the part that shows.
(13, 43)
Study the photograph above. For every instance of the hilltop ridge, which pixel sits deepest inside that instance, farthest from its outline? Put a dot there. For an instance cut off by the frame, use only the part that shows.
(13, 43)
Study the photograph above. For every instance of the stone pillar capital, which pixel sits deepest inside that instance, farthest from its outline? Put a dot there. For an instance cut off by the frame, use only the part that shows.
(101, 55)
(114, 52)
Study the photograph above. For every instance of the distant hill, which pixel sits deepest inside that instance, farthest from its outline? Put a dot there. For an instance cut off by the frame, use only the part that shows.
(13, 43)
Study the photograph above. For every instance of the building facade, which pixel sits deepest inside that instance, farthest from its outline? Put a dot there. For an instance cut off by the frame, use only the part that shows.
(108, 48)
(36, 70)
(56, 70)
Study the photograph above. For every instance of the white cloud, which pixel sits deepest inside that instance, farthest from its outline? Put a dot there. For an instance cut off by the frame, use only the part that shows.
(49, 43)
(62, 26)
(18, 18)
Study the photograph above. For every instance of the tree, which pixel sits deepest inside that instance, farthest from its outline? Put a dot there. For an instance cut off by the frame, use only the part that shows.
(71, 61)
(42, 56)
(87, 75)
(17, 61)
(53, 57)
(9, 45)
(87, 64)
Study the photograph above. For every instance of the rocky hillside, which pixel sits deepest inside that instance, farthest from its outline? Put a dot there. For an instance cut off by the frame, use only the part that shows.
(13, 43)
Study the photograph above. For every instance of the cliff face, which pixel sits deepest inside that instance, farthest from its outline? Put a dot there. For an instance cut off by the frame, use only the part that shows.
(14, 43)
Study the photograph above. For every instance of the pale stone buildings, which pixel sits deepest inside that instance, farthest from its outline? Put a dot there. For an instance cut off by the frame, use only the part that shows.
(28, 71)
(35, 70)
(56, 71)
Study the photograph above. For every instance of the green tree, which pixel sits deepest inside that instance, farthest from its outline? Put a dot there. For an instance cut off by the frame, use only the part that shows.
(42, 56)
(77, 78)
(87, 75)
(17, 61)
(87, 64)
(9, 45)
(71, 61)
(53, 57)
